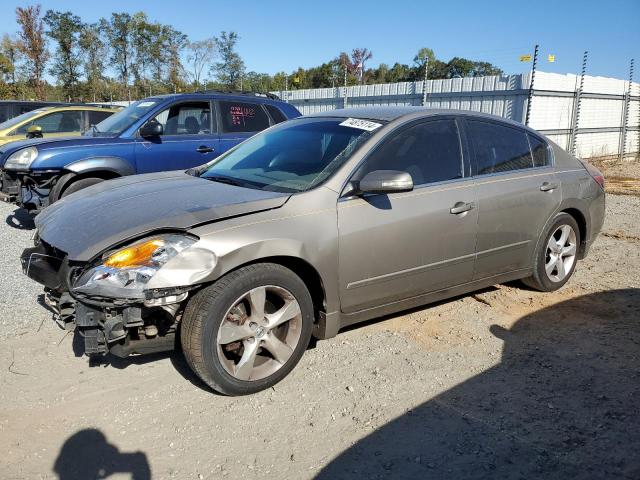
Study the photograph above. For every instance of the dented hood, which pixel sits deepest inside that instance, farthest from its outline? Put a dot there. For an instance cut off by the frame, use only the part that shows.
(92, 220)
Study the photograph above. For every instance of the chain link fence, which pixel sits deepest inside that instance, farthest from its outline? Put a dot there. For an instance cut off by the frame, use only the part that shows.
(592, 116)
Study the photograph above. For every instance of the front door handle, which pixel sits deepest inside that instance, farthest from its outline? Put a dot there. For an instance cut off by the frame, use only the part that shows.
(204, 149)
(461, 207)
(548, 187)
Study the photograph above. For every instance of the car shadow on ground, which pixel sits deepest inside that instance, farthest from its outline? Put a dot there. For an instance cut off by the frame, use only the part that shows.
(562, 403)
(87, 454)
(21, 219)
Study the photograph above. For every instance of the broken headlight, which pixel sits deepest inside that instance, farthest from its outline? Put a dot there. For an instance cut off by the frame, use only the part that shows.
(125, 273)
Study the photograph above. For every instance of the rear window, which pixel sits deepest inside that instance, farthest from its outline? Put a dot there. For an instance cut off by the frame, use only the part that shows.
(499, 148)
(243, 117)
(539, 151)
(275, 113)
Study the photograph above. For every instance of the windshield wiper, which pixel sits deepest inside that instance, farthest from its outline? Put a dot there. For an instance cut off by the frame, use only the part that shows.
(227, 180)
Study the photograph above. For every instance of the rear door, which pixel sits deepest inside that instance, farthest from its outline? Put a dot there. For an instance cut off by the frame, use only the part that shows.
(189, 138)
(516, 194)
(239, 120)
(400, 245)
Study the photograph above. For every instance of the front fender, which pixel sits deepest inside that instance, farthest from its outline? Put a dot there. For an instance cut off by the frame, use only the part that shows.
(116, 165)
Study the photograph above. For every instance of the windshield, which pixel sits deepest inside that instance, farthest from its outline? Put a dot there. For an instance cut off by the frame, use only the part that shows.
(119, 122)
(21, 118)
(291, 157)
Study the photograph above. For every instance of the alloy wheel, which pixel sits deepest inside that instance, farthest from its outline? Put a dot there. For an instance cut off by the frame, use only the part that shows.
(259, 333)
(561, 253)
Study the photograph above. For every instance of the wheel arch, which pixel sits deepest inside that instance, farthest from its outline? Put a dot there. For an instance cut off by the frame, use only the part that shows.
(105, 168)
(303, 269)
(581, 220)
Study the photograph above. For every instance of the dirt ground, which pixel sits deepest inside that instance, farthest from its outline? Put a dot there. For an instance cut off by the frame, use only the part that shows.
(503, 383)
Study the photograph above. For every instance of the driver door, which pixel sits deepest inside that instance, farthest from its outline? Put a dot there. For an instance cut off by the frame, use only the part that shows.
(400, 245)
(189, 139)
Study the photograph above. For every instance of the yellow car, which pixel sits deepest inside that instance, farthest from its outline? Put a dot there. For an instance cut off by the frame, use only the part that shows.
(48, 122)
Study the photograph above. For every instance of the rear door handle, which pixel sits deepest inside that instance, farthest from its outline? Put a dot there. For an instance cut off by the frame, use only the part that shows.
(204, 149)
(548, 187)
(461, 207)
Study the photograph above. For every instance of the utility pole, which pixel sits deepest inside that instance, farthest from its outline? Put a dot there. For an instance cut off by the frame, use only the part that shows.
(424, 84)
(578, 101)
(345, 86)
(625, 115)
(533, 76)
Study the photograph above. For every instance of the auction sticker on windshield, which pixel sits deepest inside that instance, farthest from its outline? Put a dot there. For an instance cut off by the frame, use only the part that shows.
(367, 125)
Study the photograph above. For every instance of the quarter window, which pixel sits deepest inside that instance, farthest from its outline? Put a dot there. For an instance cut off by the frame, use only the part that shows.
(275, 113)
(243, 117)
(191, 118)
(499, 148)
(429, 152)
(539, 151)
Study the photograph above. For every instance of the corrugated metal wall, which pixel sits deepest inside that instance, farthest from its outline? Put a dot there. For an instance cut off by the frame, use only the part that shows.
(601, 117)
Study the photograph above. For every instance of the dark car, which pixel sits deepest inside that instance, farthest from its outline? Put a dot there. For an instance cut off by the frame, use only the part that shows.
(13, 108)
(311, 226)
(169, 132)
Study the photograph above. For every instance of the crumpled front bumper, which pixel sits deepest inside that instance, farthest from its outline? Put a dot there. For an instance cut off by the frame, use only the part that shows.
(9, 186)
(107, 325)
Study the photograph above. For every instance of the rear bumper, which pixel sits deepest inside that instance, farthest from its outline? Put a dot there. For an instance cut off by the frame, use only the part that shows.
(597, 209)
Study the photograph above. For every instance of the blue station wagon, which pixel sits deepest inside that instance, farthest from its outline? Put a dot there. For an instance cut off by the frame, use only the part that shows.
(169, 132)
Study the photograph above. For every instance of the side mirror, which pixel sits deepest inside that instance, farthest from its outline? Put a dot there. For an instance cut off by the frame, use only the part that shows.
(386, 181)
(34, 131)
(151, 129)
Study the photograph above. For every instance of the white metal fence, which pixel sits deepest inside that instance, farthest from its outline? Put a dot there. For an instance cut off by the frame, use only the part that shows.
(603, 117)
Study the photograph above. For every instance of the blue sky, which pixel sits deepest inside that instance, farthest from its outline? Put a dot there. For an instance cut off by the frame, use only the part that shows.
(283, 35)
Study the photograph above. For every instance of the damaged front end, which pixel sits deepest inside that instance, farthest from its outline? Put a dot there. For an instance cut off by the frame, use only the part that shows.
(111, 301)
(9, 186)
(34, 189)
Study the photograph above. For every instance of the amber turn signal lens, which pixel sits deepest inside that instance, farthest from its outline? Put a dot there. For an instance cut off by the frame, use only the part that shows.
(135, 256)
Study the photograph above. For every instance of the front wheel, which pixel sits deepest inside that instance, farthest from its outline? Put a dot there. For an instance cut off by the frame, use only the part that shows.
(248, 330)
(80, 184)
(557, 255)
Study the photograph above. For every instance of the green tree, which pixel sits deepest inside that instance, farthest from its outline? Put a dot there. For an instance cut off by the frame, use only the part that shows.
(230, 68)
(421, 58)
(173, 44)
(94, 52)
(119, 31)
(459, 67)
(65, 29)
(482, 69)
(33, 45)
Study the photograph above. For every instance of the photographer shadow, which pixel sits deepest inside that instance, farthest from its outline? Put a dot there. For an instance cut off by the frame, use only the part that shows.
(87, 454)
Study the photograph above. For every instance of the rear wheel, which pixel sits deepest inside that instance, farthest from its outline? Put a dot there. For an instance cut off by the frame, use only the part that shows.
(557, 255)
(248, 330)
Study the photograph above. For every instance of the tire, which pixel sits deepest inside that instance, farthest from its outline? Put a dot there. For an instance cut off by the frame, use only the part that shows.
(80, 184)
(541, 279)
(223, 311)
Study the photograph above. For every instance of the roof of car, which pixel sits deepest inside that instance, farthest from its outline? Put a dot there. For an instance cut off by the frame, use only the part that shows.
(220, 93)
(391, 113)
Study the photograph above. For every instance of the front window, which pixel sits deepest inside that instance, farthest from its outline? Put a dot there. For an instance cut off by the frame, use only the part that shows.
(119, 122)
(292, 157)
(12, 122)
(189, 118)
(58, 122)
